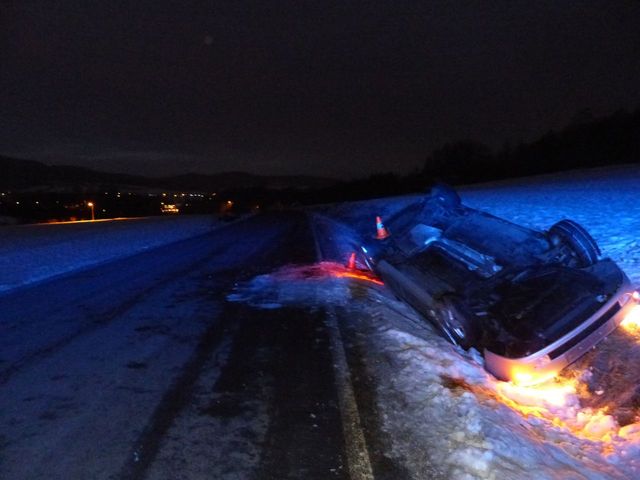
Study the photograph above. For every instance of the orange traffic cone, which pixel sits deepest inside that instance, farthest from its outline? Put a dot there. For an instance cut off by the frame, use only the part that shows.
(351, 264)
(381, 232)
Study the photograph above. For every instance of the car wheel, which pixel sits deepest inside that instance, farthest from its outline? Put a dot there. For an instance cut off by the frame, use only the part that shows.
(457, 322)
(446, 195)
(582, 245)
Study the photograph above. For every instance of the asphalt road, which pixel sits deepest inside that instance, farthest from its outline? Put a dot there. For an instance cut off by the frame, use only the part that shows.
(140, 368)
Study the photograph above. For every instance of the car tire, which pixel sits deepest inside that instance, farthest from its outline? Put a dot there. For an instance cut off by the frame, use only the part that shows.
(582, 245)
(457, 322)
(446, 195)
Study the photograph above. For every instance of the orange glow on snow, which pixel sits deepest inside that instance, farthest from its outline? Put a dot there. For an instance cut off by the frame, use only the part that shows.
(537, 397)
(358, 276)
(529, 379)
(339, 271)
(63, 222)
(631, 322)
(556, 402)
(324, 270)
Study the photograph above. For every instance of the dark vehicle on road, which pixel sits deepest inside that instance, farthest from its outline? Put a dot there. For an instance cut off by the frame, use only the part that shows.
(531, 301)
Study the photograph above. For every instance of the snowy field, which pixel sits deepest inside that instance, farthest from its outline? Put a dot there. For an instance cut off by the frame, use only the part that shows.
(30, 253)
(442, 414)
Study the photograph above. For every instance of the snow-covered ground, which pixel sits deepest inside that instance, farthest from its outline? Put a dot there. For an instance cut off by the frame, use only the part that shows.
(445, 417)
(605, 201)
(30, 253)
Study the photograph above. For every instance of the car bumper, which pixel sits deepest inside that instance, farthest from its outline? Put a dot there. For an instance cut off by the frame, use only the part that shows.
(547, 362)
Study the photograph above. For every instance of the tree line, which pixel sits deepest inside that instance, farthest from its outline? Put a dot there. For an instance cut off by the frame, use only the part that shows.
(586, 142)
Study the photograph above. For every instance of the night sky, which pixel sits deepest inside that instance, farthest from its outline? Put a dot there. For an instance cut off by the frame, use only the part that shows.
(303, 87)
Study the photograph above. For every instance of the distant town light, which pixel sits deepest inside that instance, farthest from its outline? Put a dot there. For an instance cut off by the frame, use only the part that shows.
(169, 208)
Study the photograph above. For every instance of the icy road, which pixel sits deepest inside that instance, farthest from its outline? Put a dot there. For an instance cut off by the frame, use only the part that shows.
(140, 368)
(250, 352)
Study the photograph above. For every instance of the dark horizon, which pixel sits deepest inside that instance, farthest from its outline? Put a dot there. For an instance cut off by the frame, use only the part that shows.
(161, 88)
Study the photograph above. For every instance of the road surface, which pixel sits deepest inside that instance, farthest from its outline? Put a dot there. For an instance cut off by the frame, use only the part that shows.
(140, 369)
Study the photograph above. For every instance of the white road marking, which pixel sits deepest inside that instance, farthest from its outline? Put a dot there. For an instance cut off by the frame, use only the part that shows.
(355, 444)
(358, 459)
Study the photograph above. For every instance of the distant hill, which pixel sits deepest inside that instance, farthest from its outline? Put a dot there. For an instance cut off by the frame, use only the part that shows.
(18, 174)
(243, 180)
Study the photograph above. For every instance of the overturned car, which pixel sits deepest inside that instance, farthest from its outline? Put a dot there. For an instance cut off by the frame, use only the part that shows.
(533, 302)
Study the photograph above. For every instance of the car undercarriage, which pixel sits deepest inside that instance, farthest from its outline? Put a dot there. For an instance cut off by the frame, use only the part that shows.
(521, 296)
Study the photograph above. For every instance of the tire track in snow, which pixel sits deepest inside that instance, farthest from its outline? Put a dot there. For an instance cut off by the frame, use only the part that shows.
(113, 314)
(144, 452)
(174, 400)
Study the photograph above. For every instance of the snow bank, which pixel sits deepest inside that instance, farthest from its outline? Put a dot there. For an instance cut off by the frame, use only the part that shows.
(30, 253)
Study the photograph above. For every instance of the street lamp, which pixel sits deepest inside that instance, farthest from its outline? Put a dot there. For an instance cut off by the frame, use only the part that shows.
(93, 213)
